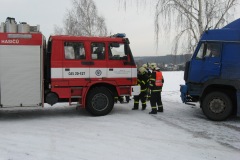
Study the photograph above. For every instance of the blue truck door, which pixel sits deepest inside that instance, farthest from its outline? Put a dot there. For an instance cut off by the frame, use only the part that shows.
(206, 63)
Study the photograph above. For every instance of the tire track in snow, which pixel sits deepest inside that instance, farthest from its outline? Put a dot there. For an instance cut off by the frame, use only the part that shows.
(201, 132)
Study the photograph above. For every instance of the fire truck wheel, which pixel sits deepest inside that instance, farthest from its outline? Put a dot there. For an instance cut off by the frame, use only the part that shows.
(99, 101)
(217, 106)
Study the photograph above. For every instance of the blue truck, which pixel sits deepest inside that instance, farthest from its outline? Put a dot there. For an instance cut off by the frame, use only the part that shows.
(212, 76)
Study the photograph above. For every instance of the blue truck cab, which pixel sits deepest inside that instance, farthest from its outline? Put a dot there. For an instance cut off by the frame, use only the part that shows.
(212, 76)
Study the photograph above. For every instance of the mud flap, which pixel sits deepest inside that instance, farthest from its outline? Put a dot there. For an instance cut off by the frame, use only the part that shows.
(183, 90)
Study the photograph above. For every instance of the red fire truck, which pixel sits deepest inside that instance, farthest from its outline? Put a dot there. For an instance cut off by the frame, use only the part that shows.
(91, 71)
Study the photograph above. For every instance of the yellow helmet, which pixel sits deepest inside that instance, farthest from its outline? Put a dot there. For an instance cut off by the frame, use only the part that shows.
(153, 65)
(142, 70)
(145, 66)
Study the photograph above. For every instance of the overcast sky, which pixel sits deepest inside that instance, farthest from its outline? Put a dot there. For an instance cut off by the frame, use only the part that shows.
(137, 23)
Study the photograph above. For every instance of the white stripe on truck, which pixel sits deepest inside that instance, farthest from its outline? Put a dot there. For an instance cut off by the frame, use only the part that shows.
(93, 72)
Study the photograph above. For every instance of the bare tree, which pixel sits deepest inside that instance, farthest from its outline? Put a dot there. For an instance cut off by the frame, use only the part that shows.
(189, 18)
(83, 19)
(58, 30)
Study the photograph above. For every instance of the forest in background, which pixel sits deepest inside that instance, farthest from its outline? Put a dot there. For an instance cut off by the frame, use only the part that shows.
(168, 62)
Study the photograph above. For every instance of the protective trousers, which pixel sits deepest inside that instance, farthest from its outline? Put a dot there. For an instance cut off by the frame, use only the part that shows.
(155, 100)
(142, 97)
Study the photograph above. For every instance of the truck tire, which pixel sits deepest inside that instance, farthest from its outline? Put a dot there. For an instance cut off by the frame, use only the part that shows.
(217, 106)
(100, 101)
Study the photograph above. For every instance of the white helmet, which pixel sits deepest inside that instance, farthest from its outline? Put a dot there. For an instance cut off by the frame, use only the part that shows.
(153, 65)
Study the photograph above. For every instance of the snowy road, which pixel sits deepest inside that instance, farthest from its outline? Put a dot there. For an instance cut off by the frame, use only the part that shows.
(60, 132)
(181, 132)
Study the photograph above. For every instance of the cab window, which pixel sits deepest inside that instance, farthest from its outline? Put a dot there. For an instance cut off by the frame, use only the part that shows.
(74, 50)
(200, 52)
(117, 51)
(207, 50)
(98, 51)
(213, 49)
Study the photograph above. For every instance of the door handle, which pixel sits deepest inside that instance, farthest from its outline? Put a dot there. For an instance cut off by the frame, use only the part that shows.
(128, 63)
(87, 63)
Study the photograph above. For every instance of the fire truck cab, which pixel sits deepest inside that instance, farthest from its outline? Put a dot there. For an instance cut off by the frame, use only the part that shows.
(91, 71)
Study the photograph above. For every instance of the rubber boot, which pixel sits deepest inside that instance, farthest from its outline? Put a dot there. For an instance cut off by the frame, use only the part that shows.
(160, 109)
(144, 106)
(120, 99)
(154, 111)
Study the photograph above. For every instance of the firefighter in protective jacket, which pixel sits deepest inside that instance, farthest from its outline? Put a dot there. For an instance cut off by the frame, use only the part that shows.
(156, 83)
(143, 81)
(146, 66)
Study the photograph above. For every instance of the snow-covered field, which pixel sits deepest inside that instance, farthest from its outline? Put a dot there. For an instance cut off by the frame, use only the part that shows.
(60, 132)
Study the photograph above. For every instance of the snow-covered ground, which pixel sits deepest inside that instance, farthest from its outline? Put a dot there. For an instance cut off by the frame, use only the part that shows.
(60, 132)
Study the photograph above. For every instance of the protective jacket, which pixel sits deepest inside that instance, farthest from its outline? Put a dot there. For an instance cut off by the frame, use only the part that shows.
(143, 81)
(156, 81)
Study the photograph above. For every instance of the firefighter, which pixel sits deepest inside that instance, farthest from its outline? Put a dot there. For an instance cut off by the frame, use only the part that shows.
(143, 81)
(148, 95)
(156, 83)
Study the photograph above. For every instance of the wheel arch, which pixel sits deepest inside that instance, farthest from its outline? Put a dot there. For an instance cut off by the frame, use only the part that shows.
(110, 87)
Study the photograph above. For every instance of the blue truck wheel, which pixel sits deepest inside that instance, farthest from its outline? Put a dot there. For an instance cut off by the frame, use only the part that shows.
(217, 106)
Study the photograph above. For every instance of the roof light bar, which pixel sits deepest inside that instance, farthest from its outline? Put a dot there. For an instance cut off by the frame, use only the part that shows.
(119, 35)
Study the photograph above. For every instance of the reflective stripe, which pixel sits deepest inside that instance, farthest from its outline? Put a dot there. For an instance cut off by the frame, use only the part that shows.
(143, 90)
(156, 90)
(153, 107)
